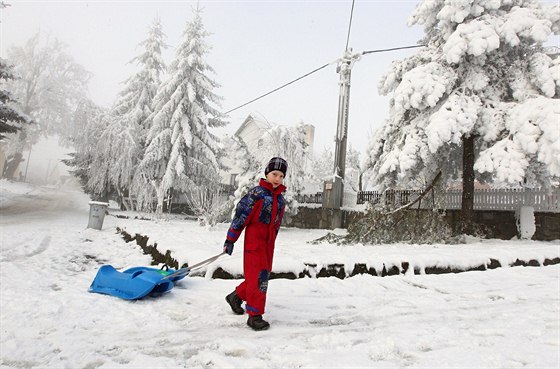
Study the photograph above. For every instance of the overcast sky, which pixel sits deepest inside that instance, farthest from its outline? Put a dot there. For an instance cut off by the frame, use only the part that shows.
(257, 46)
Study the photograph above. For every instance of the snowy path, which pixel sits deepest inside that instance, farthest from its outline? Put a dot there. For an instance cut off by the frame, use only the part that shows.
(503, 318)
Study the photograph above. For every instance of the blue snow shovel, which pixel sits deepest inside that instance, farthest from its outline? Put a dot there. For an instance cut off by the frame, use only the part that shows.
(137, 282)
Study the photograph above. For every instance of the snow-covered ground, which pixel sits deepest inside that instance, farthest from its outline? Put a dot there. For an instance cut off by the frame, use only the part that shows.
(502, 318)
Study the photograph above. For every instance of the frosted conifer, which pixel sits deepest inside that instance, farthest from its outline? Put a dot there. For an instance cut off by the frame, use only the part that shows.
(129, 127)
(483, 92)
(182, 152)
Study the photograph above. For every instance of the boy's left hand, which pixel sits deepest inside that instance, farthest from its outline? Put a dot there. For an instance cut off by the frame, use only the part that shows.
(228, 247)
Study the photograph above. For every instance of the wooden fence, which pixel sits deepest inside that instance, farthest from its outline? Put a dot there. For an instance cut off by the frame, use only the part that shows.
(491, 199)
(316, 198)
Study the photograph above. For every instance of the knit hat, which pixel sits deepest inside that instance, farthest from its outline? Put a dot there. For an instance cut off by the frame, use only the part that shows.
(276, 163)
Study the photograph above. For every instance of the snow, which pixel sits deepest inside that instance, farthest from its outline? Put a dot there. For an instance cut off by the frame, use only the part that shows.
(501, 318)
(526, 222)
(475, 38)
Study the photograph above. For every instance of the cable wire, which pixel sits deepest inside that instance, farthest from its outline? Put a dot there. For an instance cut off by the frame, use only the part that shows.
(391, 49)
(349, 26)
(316, 70)
(278, 88)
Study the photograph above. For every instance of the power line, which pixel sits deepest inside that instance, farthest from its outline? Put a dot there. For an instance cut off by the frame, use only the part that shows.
(391, 49)
(278, 88)
(349, 25)
(316, 70)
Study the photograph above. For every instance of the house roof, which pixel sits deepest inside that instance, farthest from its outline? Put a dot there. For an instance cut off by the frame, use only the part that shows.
(259, 122)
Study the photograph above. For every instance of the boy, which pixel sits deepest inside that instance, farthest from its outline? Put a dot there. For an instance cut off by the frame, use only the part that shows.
(260, 213)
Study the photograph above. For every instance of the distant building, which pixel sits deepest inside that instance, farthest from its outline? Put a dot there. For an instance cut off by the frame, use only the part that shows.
(252, 131)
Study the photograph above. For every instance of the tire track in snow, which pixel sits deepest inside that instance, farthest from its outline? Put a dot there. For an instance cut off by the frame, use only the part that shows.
(10, 256)
(43, 245)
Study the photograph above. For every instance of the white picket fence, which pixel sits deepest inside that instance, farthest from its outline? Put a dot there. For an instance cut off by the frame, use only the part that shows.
(508, 199)
(492, 199)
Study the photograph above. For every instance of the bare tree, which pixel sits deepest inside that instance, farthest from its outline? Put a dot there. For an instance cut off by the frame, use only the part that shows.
(49, 85)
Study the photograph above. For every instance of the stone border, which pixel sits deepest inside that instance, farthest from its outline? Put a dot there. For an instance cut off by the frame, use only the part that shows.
(331, 270)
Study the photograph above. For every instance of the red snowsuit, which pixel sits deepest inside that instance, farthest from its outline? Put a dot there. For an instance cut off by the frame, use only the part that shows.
(260, 212)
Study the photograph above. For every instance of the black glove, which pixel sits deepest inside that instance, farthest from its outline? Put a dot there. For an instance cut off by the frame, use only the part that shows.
(228, 247)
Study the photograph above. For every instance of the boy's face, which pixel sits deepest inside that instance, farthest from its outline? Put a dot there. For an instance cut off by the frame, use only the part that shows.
(275, 178)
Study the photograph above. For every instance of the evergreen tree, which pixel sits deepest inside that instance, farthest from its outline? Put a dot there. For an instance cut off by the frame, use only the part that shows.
(182, 152)
(11, 116)
(481, 96)
(135, 101)
(126, 136)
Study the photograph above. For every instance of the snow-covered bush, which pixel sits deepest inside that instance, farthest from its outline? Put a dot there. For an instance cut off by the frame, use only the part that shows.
(207, 205)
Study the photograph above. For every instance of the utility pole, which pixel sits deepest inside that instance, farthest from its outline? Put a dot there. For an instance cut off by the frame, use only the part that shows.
(334, 189)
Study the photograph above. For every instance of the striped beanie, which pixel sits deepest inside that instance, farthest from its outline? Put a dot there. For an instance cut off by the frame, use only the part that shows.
(276, 164)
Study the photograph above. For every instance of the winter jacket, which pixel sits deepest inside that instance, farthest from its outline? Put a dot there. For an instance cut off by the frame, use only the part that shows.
(255, 211)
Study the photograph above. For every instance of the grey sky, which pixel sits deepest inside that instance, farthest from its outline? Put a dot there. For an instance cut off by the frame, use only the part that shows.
(257, 46)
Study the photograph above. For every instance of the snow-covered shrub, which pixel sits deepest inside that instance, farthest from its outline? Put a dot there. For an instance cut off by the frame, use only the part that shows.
(207, 205)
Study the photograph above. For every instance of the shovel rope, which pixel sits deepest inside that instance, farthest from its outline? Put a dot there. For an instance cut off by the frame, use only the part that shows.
(187, 269)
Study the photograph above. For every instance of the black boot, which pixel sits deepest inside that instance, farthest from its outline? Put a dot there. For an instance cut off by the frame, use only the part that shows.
(235, 302)
(257, 323)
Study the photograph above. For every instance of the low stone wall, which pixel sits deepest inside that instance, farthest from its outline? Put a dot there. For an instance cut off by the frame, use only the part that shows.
(501, 224)
(320, 218)
(548, 226)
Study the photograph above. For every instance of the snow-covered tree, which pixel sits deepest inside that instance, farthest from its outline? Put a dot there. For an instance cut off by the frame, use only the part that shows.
(119, 149)
(482, 95)
(320, 170)
(322, 167)
(91, 162)
(249, 167)
(182, 152)
(353, 173)
(102, 154)
(11, 116)
(323, 170)
(126, 135)
(140, 89)
(49, 86)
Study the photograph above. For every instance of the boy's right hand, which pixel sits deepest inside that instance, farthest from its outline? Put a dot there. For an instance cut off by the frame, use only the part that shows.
(228, 247)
